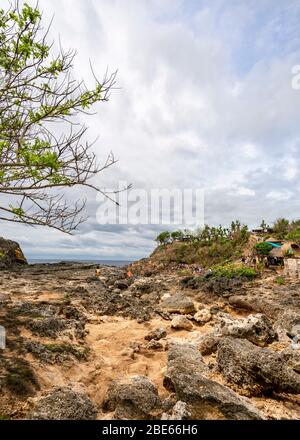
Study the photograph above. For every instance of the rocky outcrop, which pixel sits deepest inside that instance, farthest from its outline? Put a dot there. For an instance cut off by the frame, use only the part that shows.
(205, 398)
(10, 254)
(256, 328)
(220, 286)
(132, 398)
(64, 404)
(256, 370)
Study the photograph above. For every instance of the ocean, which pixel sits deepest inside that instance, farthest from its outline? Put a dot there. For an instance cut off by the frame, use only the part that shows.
(118, 263)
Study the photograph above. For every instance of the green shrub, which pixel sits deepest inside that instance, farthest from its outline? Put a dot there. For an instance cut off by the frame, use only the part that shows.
(232, 271)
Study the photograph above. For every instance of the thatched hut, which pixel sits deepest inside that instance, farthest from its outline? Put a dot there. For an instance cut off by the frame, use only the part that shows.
(279, 253)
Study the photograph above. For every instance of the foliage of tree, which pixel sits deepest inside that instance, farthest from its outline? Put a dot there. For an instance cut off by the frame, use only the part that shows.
(294, 235)
(281, 228)
(163, 238)
(177, 235)
(208, 235)
(263, 248)
(43, 149)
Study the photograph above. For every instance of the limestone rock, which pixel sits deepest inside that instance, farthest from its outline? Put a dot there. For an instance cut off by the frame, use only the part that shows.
(205, 398)
(289, 320)
(256, 328)
(133, 398)
(209, 343)
(178, 303)
(156, 334)
(257, 370)
(202, 316)
(181, 323)
(240, 302)
(10, 254)
(154, 345)
(179, 412)
(64, 404)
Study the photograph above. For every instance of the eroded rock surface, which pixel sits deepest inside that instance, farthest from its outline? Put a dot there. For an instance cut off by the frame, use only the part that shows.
(205, 398)
(64, 404)
(132, 398)
(178, 303)
(256, 328)
(10, 254)
(257, 370)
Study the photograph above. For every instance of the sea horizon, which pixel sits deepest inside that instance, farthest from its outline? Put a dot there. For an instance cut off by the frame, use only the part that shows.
(118, 263)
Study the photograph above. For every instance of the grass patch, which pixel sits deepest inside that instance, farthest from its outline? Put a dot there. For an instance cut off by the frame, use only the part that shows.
(4, 417)
(79, 353)
(232, 271)
(20, 378)
(280, 280)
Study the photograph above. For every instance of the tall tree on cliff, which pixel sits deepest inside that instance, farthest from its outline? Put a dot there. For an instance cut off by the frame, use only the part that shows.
(37, 92)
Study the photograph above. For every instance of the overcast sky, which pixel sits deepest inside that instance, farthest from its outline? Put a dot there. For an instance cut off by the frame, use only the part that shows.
(204, 100)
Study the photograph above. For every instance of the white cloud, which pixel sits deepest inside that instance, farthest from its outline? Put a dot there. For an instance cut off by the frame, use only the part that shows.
(199, 105)
(279, 195)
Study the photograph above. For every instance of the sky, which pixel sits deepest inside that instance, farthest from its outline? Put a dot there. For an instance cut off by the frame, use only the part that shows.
(204, 100)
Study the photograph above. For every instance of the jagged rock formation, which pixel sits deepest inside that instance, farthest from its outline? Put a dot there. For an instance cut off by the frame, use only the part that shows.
(257, 370)
(205, 398)
(10, 254)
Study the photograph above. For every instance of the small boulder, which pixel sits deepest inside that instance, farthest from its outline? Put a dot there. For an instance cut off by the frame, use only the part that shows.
(154, 345)
(202, 316)
(178, 303)
(132, 398)
(62, 403)
(240, 302)
(156, 334)
(181, 323)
